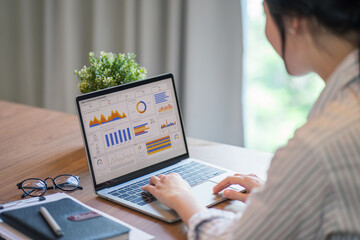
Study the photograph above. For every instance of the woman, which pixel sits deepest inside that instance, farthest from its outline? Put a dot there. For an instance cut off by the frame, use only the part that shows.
(313, 185)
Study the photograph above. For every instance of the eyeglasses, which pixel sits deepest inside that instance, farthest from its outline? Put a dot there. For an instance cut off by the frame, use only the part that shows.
(35, 187)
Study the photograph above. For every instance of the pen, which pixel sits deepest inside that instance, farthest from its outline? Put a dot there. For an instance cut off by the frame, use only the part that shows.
(51, 221)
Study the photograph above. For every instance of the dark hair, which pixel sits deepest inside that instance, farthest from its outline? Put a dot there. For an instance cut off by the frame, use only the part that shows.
(337, 16)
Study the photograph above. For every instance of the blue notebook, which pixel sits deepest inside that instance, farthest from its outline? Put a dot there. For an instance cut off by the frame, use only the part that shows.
(76, 221)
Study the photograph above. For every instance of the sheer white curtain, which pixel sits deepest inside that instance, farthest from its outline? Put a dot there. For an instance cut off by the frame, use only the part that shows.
(199, 41)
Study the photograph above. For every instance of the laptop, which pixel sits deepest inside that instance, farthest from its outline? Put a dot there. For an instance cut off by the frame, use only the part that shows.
(134, 131)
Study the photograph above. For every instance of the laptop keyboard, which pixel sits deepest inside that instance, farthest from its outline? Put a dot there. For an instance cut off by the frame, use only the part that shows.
(193, 172)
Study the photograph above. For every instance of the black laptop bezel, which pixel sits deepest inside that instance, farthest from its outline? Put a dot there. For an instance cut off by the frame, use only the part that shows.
(141, 172)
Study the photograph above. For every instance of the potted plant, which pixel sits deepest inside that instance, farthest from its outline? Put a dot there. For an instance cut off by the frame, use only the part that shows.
(109, 70)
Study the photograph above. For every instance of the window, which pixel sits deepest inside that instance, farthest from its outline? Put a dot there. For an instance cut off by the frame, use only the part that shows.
(275, 104)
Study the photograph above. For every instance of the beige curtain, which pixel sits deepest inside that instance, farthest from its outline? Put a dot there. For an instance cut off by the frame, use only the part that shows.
(199, 41)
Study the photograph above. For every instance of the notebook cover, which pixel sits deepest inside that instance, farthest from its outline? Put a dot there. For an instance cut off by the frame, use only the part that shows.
(29, 221)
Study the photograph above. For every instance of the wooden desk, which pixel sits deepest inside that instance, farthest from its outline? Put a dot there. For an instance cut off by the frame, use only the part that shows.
(41, 143)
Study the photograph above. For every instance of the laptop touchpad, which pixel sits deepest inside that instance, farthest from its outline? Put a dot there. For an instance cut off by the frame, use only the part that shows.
(204, 192)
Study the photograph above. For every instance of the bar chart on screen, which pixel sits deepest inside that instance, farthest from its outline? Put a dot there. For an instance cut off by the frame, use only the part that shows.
(168, 126)
(141, 129)
(117, 136)
(161, 97)
(158, 145)
(145, 128)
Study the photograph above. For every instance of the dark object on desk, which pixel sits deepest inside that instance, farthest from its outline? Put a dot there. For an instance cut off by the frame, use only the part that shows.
(29, 221)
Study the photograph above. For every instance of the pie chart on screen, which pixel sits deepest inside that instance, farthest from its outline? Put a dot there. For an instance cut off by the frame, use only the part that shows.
(141, 107)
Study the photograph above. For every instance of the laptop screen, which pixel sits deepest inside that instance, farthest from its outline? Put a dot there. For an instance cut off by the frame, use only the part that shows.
(131, 128)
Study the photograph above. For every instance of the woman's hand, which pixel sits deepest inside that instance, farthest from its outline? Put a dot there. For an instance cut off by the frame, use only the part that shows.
(174, 192)
(168, 188)
(249, 182)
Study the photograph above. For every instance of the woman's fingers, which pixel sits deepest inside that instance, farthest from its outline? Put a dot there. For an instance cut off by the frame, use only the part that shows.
(169, 189)
(149, 188)
(226, 182)
(154, 180)
(247, 181)
(235, 195)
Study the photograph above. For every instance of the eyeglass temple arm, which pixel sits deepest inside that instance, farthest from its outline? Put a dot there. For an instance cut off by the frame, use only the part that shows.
(27, 193)
(78, 187)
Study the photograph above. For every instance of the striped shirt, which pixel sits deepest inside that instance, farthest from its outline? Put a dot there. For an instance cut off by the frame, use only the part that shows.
(313, 185)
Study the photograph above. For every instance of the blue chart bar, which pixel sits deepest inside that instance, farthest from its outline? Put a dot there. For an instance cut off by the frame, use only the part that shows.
(124, 135)
(118, 137)
(107, 140)
(111, 138)
(121, 140)
(161, 97)
(129, 133)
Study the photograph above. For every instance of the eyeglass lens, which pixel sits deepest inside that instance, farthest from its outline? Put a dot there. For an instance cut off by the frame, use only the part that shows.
(34, 187)
(66, 182)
